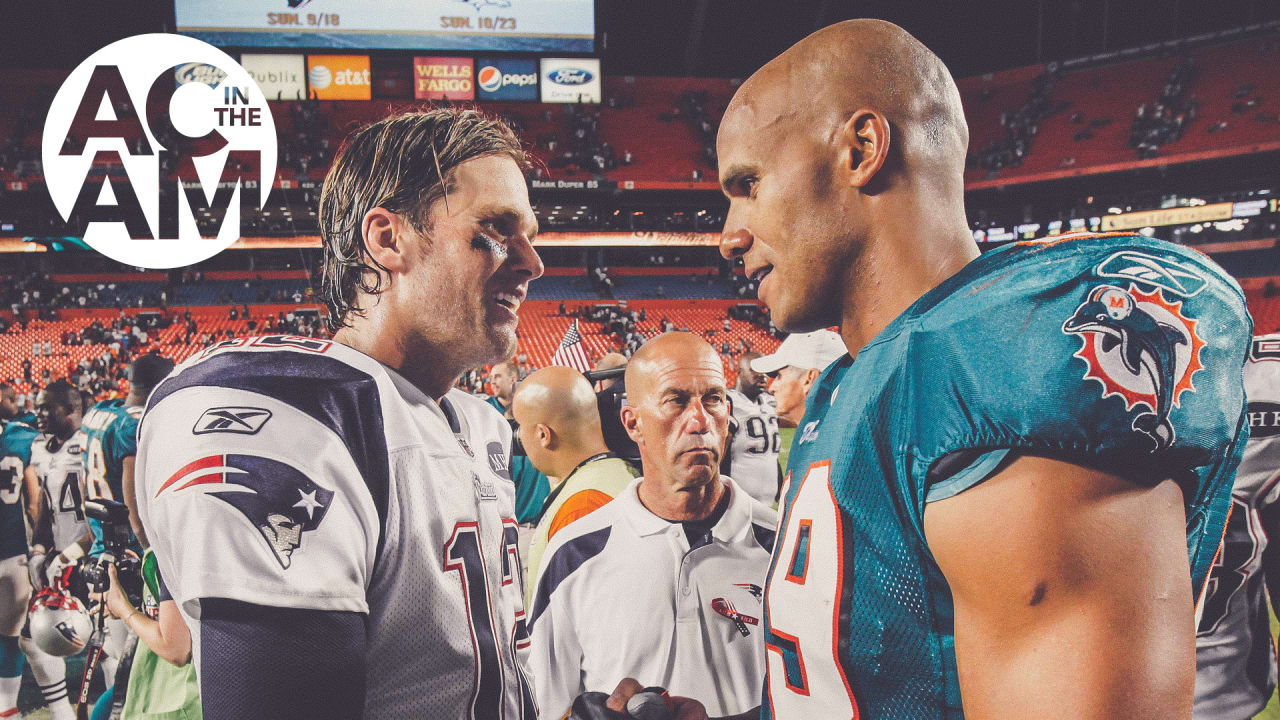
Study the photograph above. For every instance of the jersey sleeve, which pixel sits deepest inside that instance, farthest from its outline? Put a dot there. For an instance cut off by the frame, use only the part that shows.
(124, 435)
(247, 497)
(1128, 359)
(17, 440)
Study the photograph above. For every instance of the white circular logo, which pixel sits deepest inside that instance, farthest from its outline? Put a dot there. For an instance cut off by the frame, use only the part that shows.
(144, 162)
(320, 77)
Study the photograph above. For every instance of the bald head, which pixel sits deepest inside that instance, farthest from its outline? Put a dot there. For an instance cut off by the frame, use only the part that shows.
(559, 423)
(825, 78)
(559, 397)
(657, 359)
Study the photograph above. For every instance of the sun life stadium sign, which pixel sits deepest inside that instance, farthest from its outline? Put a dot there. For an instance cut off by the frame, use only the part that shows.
(121, 116)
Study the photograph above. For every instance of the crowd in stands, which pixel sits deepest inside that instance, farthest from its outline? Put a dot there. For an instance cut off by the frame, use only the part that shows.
(693, 107)
(1165, 120)
(306, 146)
(1020, 126)
(584, 148)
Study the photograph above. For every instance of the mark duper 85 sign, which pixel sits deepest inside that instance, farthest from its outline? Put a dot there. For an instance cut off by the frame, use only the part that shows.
(132, 156)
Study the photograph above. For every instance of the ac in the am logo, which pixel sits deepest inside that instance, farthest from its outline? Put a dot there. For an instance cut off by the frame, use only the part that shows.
(132, 156)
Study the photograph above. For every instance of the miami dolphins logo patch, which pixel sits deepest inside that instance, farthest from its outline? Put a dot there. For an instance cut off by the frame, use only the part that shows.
(1141, 347)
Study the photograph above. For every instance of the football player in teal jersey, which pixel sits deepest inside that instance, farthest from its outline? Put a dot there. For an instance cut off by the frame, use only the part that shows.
(1005, 500)
(9, 408)
(18, 484)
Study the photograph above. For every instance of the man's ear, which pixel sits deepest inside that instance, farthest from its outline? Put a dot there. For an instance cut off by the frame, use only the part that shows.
(864, 146)
(383, 233)
(809, 378)
(546, 437)
(631, 423)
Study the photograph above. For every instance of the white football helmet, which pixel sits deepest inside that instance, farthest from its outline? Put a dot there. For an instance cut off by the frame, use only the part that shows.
(58, 622)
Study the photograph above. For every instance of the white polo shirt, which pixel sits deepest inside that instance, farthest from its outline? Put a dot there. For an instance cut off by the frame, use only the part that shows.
(621, 594)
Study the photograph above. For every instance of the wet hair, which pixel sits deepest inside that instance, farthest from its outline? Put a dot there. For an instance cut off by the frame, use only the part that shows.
(400, 164)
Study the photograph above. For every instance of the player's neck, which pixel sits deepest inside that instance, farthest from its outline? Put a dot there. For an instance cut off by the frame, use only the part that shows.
(422, 367)
(898, 269)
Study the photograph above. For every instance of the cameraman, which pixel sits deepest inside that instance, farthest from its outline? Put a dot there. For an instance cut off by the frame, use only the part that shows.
(162, 682)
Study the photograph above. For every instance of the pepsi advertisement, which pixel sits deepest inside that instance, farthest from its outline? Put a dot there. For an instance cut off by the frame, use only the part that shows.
(506, 79)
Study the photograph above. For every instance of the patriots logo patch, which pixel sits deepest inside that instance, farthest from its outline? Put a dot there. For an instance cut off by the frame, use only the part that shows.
(277, 499)
(1141, 347)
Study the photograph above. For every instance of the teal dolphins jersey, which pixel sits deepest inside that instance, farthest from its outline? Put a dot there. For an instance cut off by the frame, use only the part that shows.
(111, 430)
(15, 456)
(1116, 351)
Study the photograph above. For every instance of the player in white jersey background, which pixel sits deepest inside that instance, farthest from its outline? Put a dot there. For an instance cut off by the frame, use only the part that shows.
(57, 457)
(1235, 654)
(754, 443)
(333, 518)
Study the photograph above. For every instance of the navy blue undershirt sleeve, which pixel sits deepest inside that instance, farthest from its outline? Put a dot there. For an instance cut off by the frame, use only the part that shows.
(268, 663)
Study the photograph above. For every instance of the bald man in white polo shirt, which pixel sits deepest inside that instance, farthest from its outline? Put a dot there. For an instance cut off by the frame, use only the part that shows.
(663, 584)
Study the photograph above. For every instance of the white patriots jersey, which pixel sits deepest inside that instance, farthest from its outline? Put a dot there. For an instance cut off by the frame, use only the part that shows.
(61, 474)
(753, 451)
(300, 473)
(1235, 656)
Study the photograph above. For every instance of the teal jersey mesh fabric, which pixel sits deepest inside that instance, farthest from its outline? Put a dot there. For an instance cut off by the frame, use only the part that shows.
(15, 456)
(111, 430)
(1116, 352)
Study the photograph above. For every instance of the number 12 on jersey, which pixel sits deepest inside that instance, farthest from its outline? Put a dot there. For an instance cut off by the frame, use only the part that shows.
(806, 677)
(463, 553)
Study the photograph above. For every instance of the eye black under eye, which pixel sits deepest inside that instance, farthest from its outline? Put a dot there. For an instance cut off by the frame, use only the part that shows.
(487, 244)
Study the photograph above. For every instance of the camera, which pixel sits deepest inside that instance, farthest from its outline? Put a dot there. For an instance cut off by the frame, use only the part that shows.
(117, 537)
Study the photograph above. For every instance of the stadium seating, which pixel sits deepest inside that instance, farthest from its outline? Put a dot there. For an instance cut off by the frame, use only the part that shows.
(648, 116)
(1110, 95)
(541, 331)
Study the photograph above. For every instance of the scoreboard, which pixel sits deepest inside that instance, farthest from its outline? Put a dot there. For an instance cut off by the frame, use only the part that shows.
(530, 26)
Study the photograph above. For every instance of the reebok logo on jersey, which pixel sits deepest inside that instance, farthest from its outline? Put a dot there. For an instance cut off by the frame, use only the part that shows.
(277, 499)
(1150, 270)
(240, 420)
(810, 433)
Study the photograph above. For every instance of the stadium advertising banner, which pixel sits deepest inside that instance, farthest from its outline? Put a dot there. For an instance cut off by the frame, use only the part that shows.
(1167, 216)
(281, 77)
(506, 79)
(492, 25)
(440, 78)
(570, 80)
(339, 77)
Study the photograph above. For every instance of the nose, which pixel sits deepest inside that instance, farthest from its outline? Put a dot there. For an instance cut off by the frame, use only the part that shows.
(735, 243)
(524, 259)
(698, 421)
